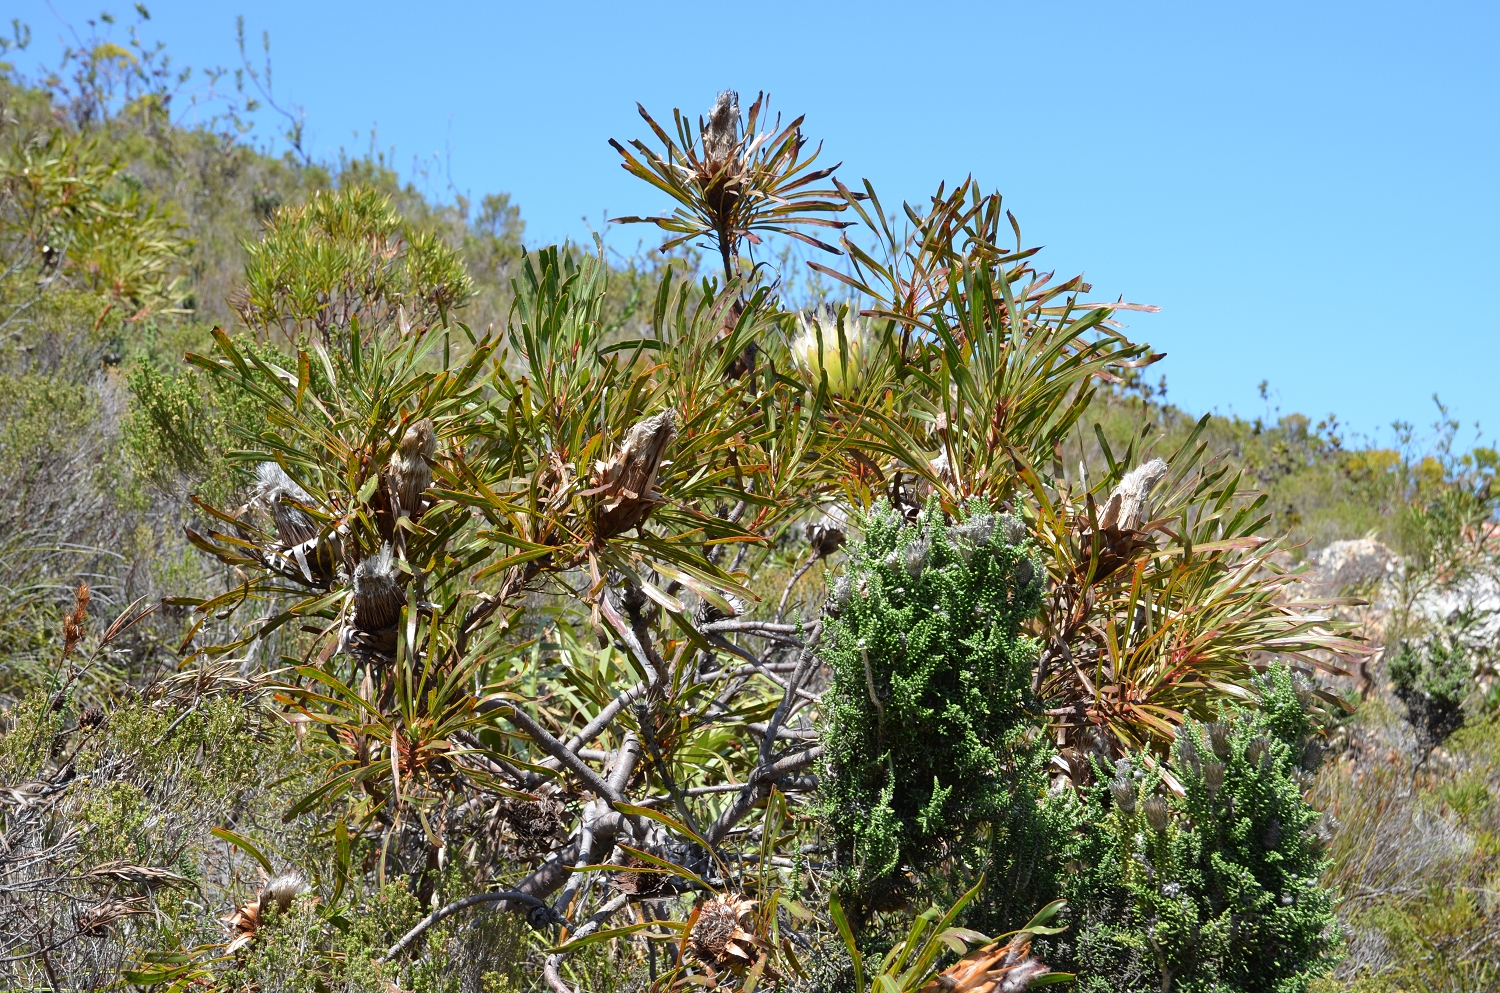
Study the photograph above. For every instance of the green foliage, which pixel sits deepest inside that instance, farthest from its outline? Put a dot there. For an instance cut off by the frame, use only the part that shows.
(1216, 888)
(346, 256)
(1433, 680)
(930, 722)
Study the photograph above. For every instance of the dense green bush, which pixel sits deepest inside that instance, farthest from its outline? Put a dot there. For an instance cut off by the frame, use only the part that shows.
(1216, 888)
(1432, 679)
(935, 752)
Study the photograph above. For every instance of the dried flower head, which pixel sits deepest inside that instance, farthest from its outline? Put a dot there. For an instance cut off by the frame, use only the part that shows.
(378, 598)
(1123, 791)
(972, 533)
(717, 938)
(1129, 506)
(1213, 776)
(995, 968)
(96, 919)
(277, 493)
(411, 469)
(626, 481)
(1258, 752)
(1155, 809)
(74, 620)
(916, 556)
(721, 132)
(1218, 739)
(1013, 528)
(1187, 754)
(274, 897)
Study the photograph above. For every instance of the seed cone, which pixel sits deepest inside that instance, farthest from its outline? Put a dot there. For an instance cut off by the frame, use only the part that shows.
(411, 469)
(626, 481)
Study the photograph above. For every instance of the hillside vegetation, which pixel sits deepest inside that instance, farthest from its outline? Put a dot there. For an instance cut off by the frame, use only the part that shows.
(825, 601)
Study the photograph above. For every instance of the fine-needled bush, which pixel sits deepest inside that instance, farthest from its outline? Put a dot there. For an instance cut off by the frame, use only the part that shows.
(931, 731)
(1432, 680)
(1217, 887)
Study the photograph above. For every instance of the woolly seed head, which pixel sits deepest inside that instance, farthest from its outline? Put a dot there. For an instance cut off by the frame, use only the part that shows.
(916, 556)
(1123, 792)
(1213, 776)
(1155, 809)
(1218, 738)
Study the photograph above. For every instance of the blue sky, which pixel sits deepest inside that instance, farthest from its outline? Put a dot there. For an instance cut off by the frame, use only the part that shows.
(1307, 190)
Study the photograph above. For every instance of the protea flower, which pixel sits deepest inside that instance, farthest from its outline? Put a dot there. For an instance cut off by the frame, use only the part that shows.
(1129, 506)
(815, 350)
(411, 469)
(717, 938)
(995, 968)
(277, 894)
(626, 482)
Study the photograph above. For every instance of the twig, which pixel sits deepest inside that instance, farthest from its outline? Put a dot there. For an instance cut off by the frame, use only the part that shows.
(801, 571)
(556, 748)
(550, 973)
(504, 896)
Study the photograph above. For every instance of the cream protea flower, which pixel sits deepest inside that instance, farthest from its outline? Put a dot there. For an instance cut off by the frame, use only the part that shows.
(814, 357)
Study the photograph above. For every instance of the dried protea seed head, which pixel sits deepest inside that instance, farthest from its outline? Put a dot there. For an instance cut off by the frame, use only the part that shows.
(1129, 506)
(1013, 528)
(825, 539)
(1213, 776)
(278, 893)
(722, 129)
(1123, 792)
(1305, 692)
(90, 718)
(1155, 809)
(378, 598)
(717, 938)
(627, 480)
(1218, 739)
(915, 555)
(278, 494)
(1187, 754)
(411, 469)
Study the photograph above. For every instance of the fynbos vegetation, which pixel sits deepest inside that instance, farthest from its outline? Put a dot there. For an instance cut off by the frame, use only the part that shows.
(391, 605)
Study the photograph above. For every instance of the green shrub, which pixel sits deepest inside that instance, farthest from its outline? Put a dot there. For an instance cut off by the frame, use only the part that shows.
(934, 751)
(1217, 889)
(1432, 680)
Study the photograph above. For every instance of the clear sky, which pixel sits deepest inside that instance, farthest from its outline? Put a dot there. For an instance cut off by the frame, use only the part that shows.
(1308, 190)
